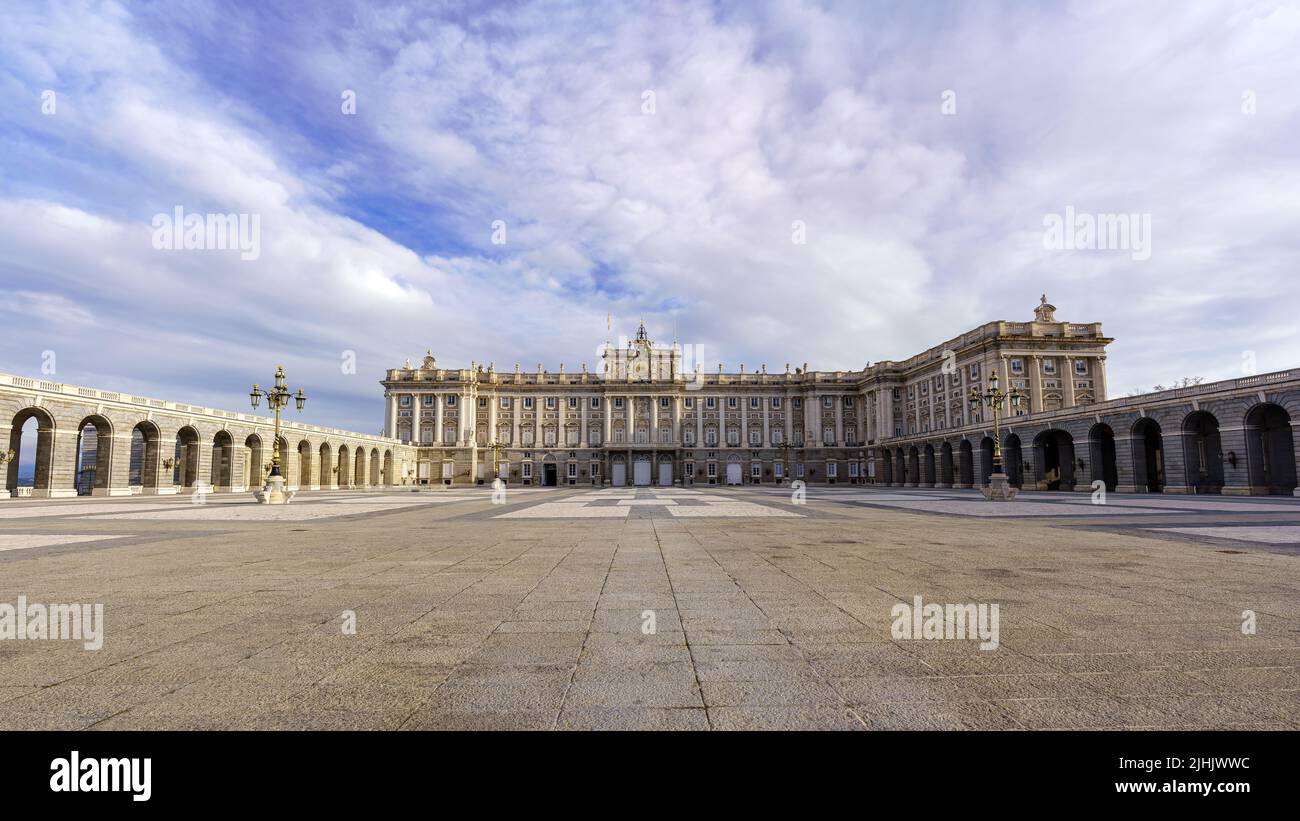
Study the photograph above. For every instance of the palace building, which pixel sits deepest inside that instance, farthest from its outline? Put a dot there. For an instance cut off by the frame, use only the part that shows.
(642, 418)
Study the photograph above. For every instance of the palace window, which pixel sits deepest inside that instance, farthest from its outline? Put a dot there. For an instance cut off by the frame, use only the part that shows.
(731, 402)
(854, 470)
(526, 470)
(848, 401)
(798, 438)
(688, 437)
(1049, 366)
(573, 403)
(404, 401)
(595, 401)
(755, 470)
(550, 403)
(594, 436)
(528, 403)
(451, 400)
(778, 470)
(618, 436)
(828, 401)
(798, 470)
(974, 371)
(828, 436)
(797, 402)
(832, 470)
(573, 470)
(663, 401)
(690, 401)
(755, 437)
(482, 402)
(850, 437)
(428, 400)
(665, 436)
(571, 437)
(548, 437)
(733, 437)
(1081, 366)
(689, 469)
(618, 402)
(711, 402)
(448, 436)
(595, 469)
(711, 437)
(505, 402)
(754, 402)
(776, 402)
(1017, 365)
(713, 470)
(777, 437)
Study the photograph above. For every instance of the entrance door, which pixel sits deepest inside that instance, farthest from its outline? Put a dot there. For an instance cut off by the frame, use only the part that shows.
(641, 473)
(620, 474)
(665, 474)
(733, 473)
(548, 475)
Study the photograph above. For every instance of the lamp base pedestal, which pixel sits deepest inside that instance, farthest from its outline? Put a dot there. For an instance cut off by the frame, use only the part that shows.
(999, 488)
(274, 492)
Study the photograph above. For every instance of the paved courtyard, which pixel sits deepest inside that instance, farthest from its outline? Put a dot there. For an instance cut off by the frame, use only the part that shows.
(655, 608)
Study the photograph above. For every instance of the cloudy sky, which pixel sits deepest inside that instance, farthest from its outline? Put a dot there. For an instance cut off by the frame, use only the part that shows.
(658, 164)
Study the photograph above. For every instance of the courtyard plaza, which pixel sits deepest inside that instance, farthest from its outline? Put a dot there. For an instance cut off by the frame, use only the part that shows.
(654, 608)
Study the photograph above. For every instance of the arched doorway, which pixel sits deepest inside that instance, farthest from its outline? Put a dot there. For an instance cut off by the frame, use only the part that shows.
(253, 462)
(1054, 459)
(927, 466)
(986, 458)
(343, 469)
(185, 458)
(886, 467)
(304, 464)
(1013, 460)
(1101, 451)
(359, 469)
(966, 464)
(94, 456)
(914, 467)
(900, 468)
(944, 478)
(388, 468)
(1270, 450)
(145, 453)
(1203, 452)
(374, 467)
(1148, 456)
(31, 438)
(326, 466)
(223, 451)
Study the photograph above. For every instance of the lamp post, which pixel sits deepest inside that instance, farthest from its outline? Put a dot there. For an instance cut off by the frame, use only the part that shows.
(277, 398)
(786, 447)
(999, 488)
(496, 447)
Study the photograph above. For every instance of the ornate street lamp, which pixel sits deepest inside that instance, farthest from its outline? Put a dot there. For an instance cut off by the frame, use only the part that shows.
(277, 398)
(496, 447)
(999, 488)
(786, 447)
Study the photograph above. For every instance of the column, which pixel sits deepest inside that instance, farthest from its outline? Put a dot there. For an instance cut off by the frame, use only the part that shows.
(1098, 371)
(677, 421)
(515, 403)
(787, 415)
(767, 423)
(629, 409)
(744, 426)
(583, 402)
(839, 421)
(437, 422)
(1036, 401)
(539, 403)
(654, 423)
(493, 401)
(390, 426)
(468, 418)
(699, 421)
(1067, 395)
(608, 402)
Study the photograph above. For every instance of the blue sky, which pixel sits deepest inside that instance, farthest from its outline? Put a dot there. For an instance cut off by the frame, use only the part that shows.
(376, 227)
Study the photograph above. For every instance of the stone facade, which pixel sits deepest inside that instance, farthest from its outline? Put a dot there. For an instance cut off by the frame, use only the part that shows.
(644, 419)
(151, 446)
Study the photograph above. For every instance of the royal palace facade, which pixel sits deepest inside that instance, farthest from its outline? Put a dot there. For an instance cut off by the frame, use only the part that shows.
(644, 419)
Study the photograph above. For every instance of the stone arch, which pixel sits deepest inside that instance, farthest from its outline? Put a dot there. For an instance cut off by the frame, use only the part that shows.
(373, 473)
(254, 462)
(359, 468)
(326, 465)
(927, 465)
(388, 468)
(41, 441)
(1270, 450)
(886, 462)
(987, 447)
(282, 447)
(220, 473)
(1101, 452)
(966, 464)
(1054, 459)
(900, 467)
(146, 453)
(914, 467)
(945, 465)
(1203, 452)
(304, 464)
(94, 456)
(1013, 460)
(343, 467)
(1148, 456)
(186, 457)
